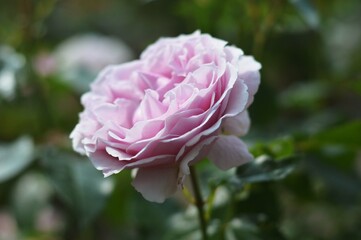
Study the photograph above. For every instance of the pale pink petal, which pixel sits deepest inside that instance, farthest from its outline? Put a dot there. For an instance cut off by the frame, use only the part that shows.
(117, 153)
(147, 80)
(249, 73)
(237, 125)
(125, 70)
(169, 134)
(81, 131)
(155, 161)
(150, 107)
(180, 94)
(156, 183)
(202, 76)
(248, 64)
(252, 80)
(198, 152)
(233, 54)
(178, 124)
(119, 112)
(237, 99)
(97, 85)
(107, 164)
(233, 109)
(229, 151)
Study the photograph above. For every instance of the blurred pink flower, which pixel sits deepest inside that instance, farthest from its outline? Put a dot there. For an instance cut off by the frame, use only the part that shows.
(91, 52)
(44, 64)
(169, 109)
(8, 226)
(77, 60)
(49, 220)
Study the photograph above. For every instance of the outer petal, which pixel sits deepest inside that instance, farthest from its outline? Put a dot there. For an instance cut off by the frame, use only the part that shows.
(107, 164)
(229, 151)
(238, 125)
(249, 72)
(198, 151)
(156, 183)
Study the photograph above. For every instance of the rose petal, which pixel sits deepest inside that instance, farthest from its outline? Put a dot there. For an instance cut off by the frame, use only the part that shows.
(237, 98)
(229, 151)
(238, 125)
(196, 153)
(237, 95)
(119, 112)
(252, 79)
(249, 73)
(150, 107)
(106, 163)
(156, 183)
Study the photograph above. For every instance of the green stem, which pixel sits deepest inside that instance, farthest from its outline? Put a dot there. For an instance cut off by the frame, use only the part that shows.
(199, 202)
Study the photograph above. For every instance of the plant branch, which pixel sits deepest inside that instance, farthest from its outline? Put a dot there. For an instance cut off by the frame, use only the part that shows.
(198, 202)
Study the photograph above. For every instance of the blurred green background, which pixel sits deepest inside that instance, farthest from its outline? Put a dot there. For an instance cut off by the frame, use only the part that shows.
(306, 130)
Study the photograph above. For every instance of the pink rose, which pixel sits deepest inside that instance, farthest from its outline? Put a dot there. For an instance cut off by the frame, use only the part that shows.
(169, 109)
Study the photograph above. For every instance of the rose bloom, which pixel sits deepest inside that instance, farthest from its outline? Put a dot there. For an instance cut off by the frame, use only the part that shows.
(184, 99)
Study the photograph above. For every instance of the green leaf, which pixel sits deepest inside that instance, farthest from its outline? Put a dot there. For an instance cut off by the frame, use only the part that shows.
(264, 169)
(15, 157)
(278, 148)
(78, 183)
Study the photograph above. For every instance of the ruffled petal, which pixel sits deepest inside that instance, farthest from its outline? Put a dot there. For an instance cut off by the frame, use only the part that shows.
(237, 99)
(198, 152)
(156, 183)
(107, 164)
(229, 151)
(238, 125)
(150, 107)
(249, 72)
